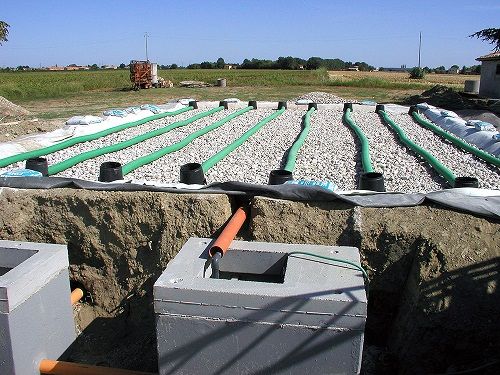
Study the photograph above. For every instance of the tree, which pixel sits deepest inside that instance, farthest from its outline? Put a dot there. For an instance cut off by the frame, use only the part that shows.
(94, 67)
(490, 35)
(220, 63)
(4, 31)
(417, 73)
(122, 66)
(174, 66)
(206, 65)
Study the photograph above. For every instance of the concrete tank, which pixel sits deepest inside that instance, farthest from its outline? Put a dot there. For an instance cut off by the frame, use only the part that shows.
(154, 73)
(471, 86)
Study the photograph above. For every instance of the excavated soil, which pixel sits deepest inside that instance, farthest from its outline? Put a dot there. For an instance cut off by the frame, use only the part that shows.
(434, 297)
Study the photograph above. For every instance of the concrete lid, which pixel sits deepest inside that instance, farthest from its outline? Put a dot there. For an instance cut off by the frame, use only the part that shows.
(312, 292)
(31, 266)
(490, 56)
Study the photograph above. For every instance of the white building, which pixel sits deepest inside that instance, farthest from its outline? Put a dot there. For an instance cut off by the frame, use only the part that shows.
(490, 75)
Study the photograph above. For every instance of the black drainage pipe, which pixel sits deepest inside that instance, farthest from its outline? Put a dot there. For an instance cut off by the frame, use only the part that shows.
(312, 105)
(224, 104)
(253, 103)
(192, 173)
(39, 165)
(379, 107)
(347, 106)
(194, 104)
(282, 105)
(412, 109)
(373, 181)
(279, 176)
(465, 181)
(110, 171)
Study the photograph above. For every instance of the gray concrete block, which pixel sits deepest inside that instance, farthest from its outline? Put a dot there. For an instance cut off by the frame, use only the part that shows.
(36, 317)
(271, 312)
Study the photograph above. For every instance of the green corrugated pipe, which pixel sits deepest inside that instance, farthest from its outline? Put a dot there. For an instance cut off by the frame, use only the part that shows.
(84, 138)
(294, 150)
(457, 141)
(137, 163)
(209, 163)
(68, 163)
(435, 163)
(365, 146)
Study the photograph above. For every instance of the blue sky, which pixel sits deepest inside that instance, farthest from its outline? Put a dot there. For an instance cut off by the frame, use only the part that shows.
(382, 33)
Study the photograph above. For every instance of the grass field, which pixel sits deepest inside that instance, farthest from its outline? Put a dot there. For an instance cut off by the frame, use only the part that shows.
(62, 94)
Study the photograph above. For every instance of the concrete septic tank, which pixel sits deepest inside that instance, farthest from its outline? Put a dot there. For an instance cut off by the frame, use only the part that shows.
(36, 317)
(270, 312)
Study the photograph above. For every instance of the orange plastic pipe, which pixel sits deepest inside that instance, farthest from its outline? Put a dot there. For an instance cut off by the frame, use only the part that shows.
(232, 228)
(49, 367)
(76, 295)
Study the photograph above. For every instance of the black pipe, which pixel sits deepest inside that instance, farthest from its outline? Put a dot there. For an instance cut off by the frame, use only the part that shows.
(192, 173)
(39, 165)
(110, 171)
(216, 265)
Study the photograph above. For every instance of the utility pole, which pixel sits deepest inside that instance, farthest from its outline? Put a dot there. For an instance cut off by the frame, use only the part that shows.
(419, 49)
(146, 38)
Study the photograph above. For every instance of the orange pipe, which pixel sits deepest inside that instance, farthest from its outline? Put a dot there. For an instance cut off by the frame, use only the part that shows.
(76, 295)
(49, 367)
(232, 228)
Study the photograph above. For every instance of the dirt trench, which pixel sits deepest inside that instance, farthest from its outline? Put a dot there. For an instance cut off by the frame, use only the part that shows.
(434, 296)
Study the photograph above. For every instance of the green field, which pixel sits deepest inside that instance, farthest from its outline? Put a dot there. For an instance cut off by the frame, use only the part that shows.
(65, 93)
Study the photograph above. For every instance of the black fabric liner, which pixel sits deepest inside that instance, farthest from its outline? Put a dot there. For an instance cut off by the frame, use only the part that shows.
(484, 206)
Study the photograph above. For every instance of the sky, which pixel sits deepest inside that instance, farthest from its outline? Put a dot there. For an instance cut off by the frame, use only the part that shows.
(383, 33)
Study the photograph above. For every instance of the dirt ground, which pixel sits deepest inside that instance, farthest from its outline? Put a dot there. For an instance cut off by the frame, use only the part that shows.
(434, 272)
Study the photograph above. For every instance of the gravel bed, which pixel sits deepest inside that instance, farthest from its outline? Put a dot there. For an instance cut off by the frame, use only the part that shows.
(263, 152)
(460, 162)
(90, 168)
(166, 169)
(329, 152)
(321, 97)
(403, 170)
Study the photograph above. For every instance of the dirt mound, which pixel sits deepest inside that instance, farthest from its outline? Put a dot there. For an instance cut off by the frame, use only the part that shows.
(321, 97)
(7, 108)
(441, 96)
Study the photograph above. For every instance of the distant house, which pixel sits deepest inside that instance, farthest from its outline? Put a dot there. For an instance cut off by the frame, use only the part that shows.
(76, 67)
(109, 67)
(453, 70)
(301, 67)
(402, 69)
(229, 66)
(55, 68)
(489, 85)
(354, 68)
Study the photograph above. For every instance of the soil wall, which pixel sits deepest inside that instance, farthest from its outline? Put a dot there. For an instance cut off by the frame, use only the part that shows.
(434, 296)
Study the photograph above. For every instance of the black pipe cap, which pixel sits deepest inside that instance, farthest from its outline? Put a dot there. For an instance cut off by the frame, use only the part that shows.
(39, 165)
(282, 105)
(192, 173)
(110, 171)
(312, 105)
(373, 181)
(253, 103)
(194, 104)
(347, 106)
(224, 104)
(279, 176)
(465, 181)
(379, 107)
(412, 109)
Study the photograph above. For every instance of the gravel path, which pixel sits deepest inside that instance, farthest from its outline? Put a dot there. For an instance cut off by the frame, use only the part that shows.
(403, 170)
(166, 169)
(460, 162)
(329, 152)
(90, 168)
(263, 152)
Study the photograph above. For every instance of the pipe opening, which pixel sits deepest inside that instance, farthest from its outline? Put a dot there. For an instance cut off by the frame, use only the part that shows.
(110, 171)
(466, 181)
(192, 173)
(279, 176)
(373, 181)
(38, 164)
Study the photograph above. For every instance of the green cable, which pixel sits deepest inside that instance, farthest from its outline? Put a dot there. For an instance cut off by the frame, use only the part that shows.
(361, 269)
(209, 163)
(139, 162)
(84, 138)
(294, 150)
(68, 163)
(456, 141)
(365, 146)
(433, 162)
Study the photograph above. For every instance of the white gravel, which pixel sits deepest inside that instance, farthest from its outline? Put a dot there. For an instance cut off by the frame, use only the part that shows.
(403, 171)
(90, 168)
(263, 152)
(321, 97)
(329, 152)
(460, 162)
